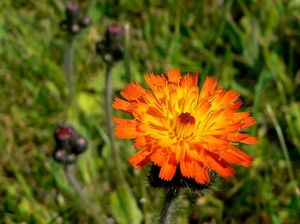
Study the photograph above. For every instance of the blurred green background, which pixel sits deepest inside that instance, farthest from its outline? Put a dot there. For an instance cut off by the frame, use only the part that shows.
(252, 47)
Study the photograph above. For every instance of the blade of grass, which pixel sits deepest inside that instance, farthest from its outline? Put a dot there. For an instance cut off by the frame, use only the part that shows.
(283, 147)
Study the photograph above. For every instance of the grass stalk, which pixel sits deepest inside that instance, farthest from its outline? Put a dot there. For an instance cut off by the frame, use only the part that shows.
(283, 147)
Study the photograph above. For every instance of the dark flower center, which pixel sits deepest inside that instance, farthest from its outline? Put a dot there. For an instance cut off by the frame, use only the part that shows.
(186, 118)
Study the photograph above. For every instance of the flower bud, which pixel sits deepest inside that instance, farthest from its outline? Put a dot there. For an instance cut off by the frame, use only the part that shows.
(85, 21)
(74, 20)
(111, 49)
(114, 34)
(69, 144)
(72, 12)
(79, 145)
(63, 133)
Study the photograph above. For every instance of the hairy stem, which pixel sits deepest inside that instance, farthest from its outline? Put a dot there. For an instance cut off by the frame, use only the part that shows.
(69, 170)
(93, 210)
(109, 122)
(168, 211)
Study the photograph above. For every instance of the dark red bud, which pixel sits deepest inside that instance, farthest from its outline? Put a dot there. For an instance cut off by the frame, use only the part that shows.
(85, 21)
(72, 6)
(114, 29)
(63, 133)
(114, 33)
(80, 145)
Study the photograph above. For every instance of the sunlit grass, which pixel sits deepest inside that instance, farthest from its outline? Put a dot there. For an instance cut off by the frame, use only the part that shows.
(251, 47)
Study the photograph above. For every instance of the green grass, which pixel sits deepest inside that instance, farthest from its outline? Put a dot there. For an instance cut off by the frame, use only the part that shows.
(250, 46)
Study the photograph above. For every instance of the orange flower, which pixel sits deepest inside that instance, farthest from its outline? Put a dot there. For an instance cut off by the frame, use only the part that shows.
(175, 125)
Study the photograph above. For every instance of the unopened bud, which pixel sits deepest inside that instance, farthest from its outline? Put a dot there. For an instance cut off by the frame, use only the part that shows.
(69, 144)
(74, 19)
(72, 12)
(111, 49)
(85, 21)
(114, 33)
(80, 145)
(63, 133)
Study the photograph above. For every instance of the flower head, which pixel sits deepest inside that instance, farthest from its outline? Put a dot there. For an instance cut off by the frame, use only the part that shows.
(69, 143)
(74, 20)
(177, 126)
(111, 48)
(63, 132)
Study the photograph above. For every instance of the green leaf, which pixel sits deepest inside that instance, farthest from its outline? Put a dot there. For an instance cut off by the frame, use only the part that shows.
(124, 206)
(88, 103)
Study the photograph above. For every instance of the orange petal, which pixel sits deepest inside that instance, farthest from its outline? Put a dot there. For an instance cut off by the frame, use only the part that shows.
(125, 128)
(229, 97)
(248, 121)
(155, 112)
(155, 81)
(212, 140)
(133, 91)
(189, 81)
(168, 169)
(203, 109)
(237, 156)
(242, 137)
(208, 87)
(201, 174)
(174, 75)
(237, 104)
(243, 117)
(187, 167)
(219, 165)
(140, 142)
(120, 104)
(141, 158)
(159, 156)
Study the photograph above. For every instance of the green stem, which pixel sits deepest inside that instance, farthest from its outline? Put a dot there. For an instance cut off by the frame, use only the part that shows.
(94, 211)
(69, 168)
(127, 53)
(68, 68)
(109, 122)
(168, 211)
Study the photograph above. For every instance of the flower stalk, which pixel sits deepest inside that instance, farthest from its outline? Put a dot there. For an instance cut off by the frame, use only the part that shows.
(68, 68)
(71, 153)
(169, 208)
(111, 51)
(70, 143)
(109, 123)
